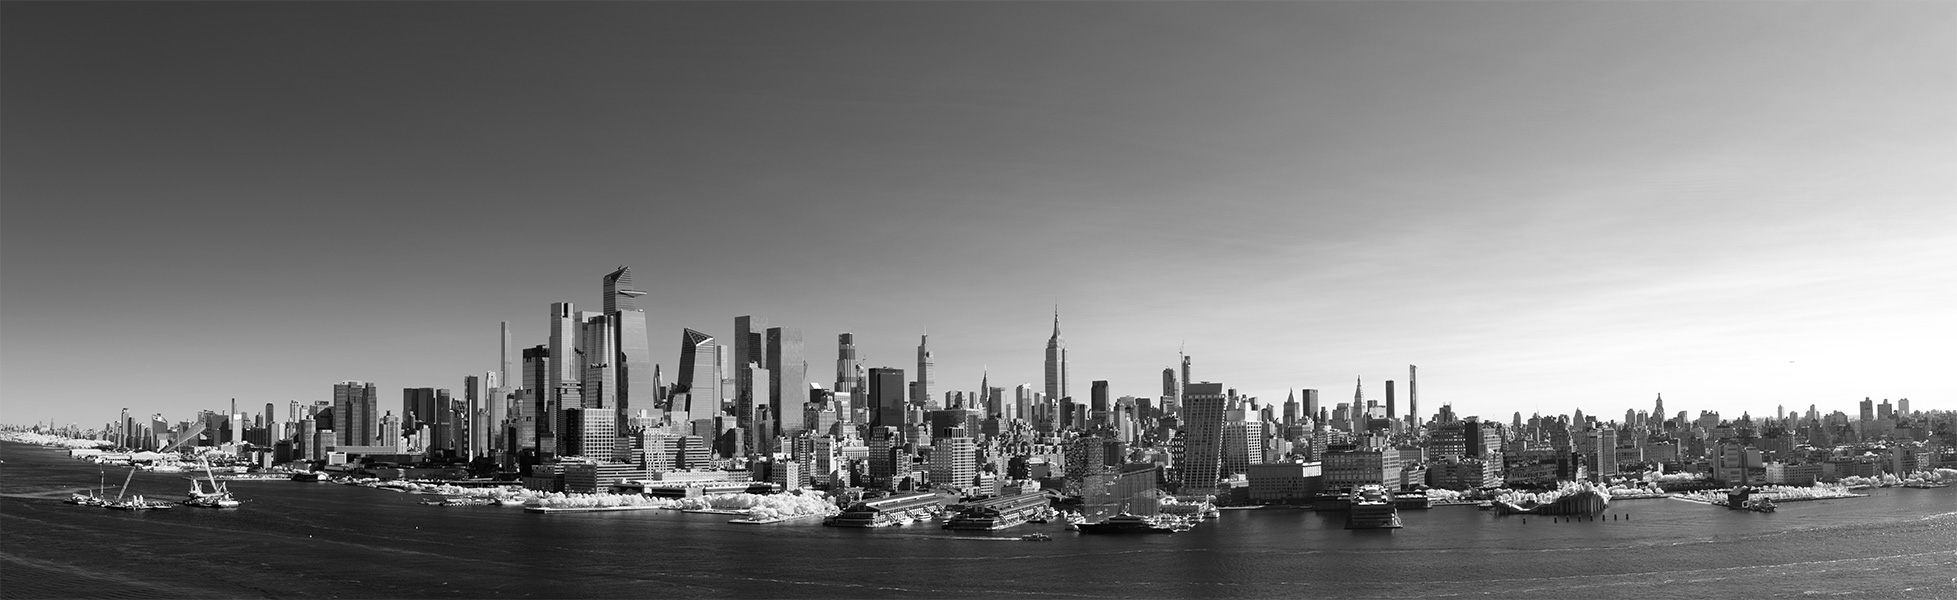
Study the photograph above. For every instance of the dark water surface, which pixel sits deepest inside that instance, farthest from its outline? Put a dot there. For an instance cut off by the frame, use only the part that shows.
(320, 540)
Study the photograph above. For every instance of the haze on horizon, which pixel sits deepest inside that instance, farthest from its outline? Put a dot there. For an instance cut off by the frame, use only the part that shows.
(1546, 206)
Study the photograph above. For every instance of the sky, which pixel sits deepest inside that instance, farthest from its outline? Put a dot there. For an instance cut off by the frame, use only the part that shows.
(1546, 206)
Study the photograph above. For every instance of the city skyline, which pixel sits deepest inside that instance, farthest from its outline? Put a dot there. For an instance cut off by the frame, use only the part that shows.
(1549, 207)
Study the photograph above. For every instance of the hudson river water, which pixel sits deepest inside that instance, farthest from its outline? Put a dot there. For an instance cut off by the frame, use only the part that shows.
(320, 540)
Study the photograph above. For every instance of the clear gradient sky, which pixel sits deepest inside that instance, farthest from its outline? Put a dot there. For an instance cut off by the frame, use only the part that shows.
(1547, 206)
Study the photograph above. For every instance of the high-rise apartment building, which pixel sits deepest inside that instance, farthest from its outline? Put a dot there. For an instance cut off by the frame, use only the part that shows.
(1413, 396)
(533, 425)
(564, 371)
(1203, 407)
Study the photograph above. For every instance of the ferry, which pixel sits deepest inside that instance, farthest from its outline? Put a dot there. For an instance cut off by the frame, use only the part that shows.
(1125, 523)
(1372, 508)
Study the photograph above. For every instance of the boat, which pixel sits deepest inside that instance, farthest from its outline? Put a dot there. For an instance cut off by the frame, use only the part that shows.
(218, 496)
(1758, 504)
(309, 476)
(91, 497)
(1125, 523)
(1485, 505)
(1925, 485)
(1372, 508)
(1036, 537)
(135, 502)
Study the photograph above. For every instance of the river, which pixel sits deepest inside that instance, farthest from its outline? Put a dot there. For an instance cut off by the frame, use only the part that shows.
(298, 540)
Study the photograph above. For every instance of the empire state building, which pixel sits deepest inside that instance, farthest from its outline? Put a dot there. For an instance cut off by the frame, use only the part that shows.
(1056, 363)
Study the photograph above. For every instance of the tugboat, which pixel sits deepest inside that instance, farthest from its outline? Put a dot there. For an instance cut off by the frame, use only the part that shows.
(1124, 523)
(1372, 508)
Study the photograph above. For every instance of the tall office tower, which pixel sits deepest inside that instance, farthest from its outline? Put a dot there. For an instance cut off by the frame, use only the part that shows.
(494, 411)
(467, 425)
(788, 380)
(699, 378)
(1290, 408)
(597, 349)
(354, 413)
(846, 364)
(1203, 408)
(1183, 388)
(1169, 389)
(1413, 397)
(1358, 392)
(564, 370)
(1097, 403)
(1902, 407)
(632, 371)
(1868, 409)
(272, 433)
(750, 348)
(925, 370)
(503, 370)
(1311, 403)
(1658, 409)
(1390, 413)
(417, 406)
(755, 433)
(1022, 400)
(533, 425)
(886, 397)
(1056, 362)
(292, 411)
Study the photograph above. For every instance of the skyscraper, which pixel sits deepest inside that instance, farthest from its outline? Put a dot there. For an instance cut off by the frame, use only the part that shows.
(886, 397)
(750, 349)
(699, 378)
(1056, 362)
(1390, 412)
(564, 368)
(1203, 406)
(504, 372)
(846, 363)
(631, 363)
(533, 425)
(495, 413)
(1413, 396)
(925, 384)
(788, 380)
(598, 374)
(355, 414)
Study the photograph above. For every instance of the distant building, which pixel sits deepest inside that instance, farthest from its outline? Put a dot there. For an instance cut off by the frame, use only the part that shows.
(1287, 482)
(1204, 405)
(356, 414)
(1056, 366)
